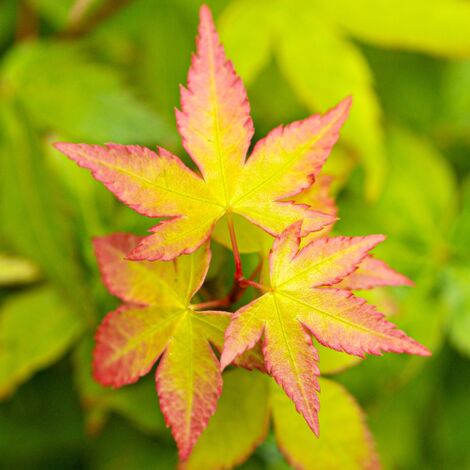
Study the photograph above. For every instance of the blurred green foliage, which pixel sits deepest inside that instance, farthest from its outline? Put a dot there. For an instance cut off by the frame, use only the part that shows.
(98, 71)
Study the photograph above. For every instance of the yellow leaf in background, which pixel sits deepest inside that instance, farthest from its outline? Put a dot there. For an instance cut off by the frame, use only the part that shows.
(310, 40)
(15, 270)
(438, 27)
(345, 442)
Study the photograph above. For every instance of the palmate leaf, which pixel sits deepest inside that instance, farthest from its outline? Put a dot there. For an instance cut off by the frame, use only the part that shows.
(370, 273)
(300, 303)
(216, 129)
(158, 321)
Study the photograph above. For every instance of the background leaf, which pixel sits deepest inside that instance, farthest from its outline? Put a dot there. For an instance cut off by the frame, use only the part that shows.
(345, 441)
(21, 354)
(28, 193)
(336, 69)
(238, 425)
(94, 92)
(436, 26)
(15, 270)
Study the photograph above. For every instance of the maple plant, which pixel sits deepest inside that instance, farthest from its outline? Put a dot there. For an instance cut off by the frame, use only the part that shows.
(274, 203)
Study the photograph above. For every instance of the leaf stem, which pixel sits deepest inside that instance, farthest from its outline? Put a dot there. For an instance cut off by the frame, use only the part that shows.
(244, 283)
(237, 290)
(236, 253)
(240, 282)
(240, 279)
(213, 304)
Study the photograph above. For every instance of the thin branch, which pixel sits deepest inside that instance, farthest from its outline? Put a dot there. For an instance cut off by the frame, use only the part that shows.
(244, 283)
(86, 23)
(27, 22)
(237, 290)
(218, 303)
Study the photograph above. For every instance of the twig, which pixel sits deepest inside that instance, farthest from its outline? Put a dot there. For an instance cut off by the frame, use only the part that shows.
(86, 23)
(27, 22)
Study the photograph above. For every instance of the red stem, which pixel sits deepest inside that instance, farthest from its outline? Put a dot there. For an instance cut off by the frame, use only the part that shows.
(244, 283)
(237, 290)
(236, 253)
(225, 302)
(240, 283)
(240, 279)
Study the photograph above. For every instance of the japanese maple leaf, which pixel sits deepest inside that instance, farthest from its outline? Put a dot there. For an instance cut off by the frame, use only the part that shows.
(298, 303)
(158, 321)
(216, 128)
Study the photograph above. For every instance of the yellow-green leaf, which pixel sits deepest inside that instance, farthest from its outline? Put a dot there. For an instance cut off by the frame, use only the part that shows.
(239, 424)
(344, 443)
(433, 26)
(335, 68)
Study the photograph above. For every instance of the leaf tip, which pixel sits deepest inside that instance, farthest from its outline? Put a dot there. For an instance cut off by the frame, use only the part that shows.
(406, 281)
(225, 360)
(293, 230)
(341, 111)
(205, 13)
(419, 350)
(347, 102)
(64, 147)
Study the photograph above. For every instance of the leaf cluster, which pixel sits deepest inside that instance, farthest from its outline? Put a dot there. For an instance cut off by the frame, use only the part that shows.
(107, 71)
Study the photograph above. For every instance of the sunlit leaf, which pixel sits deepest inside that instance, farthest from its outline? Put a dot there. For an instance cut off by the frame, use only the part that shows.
(251, 238)
(298, 305)
(157, 320)
(216, 129)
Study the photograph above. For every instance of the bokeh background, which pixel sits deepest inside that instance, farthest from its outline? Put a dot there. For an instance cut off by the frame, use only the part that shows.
(100, 71)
